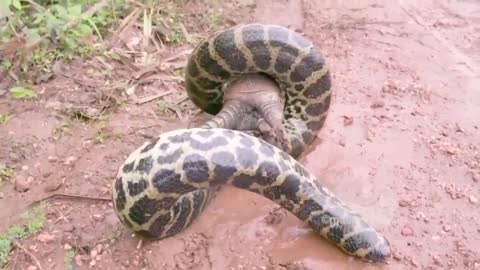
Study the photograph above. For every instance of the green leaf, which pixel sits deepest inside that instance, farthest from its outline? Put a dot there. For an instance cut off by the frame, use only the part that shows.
(75, 11)
(20, 92)
(32, 35)
(16, 4)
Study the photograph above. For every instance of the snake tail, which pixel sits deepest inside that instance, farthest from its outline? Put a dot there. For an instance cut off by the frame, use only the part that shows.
(166, 183)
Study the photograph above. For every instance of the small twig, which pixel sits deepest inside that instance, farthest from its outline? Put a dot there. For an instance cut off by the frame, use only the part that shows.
(185, 33)
(150, 98)
(37, 262)
(68, 196)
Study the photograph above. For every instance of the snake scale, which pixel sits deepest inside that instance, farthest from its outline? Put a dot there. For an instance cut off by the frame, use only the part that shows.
(166, 183)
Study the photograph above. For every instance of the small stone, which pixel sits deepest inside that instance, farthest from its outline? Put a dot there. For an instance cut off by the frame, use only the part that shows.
(397, 255)
(70, 160)
(437, 261)
(435, 237)
(476, 177)
(99, 248)
(342, 142)
(473, 199)
(25, 168)
(32, 267)
(53, 186)
(45, 238)
(52, 159)
(67, 247)
(93, 254)
(92, 263)
(403, 203)
(98, 217)
(446, 228)
(347, 120)
(407, 231)
(21, 184)
(126, 263)
(377, 104)
(68, 227)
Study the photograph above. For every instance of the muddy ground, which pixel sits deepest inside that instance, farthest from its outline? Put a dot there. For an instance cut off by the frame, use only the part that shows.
(401, 146)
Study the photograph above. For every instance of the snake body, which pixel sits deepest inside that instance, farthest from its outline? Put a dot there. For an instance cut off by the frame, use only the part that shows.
(287, 57)
(166, 183)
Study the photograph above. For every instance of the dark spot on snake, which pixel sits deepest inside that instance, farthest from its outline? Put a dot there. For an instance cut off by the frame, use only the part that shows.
(267, 149)
(192, 68)
(319, 87)
(277, 36)
(224, 166)
(170, 158)
(297, 147)
(213, 143)
(181, 210)
(206, 61)
(285, 59)
(128, 167)
(363, 240)
(163, 146)
(290, 187)
(315, 109)
(242, 181)
(226, 48)
(157, 227)
(273, 193)
(246, 141)
(253, 38)
(307, 137)
(168, 181)
(299, 87)
(207, 84)
(246, 157)
(205, 133)
(145, 165)
(301, 41)
(143, 209)
(307, 207)
(336, 233)
(321, 221)
(135, 188)
(315, 125)
(149, 146)
(266, 173)
(121, 198)
(313, 61)
(196, 168)
(180, 138)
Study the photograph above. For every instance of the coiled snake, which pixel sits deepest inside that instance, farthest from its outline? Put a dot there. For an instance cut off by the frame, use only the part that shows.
(166, 183)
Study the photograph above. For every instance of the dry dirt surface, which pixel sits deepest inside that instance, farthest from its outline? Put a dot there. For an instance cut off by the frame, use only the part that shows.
(401, 146)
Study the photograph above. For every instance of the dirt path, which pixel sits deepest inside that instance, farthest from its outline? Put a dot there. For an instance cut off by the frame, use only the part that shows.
(401, 146)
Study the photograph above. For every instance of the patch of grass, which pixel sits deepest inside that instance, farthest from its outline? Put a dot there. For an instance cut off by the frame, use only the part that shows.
(5, 118)
(5, 173)
(33, 222)
(61, 130)
(100, 135)
(69, 255)
(58, 30)
(214, 19)
(20, 92)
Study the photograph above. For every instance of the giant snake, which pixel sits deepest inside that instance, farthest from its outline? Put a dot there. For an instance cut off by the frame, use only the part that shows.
(166, 183)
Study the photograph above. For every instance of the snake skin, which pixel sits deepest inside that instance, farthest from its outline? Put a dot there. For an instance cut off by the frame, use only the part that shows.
(293, 61)
(166, 183)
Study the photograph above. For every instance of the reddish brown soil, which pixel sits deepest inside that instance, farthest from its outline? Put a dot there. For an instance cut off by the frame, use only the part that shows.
(401, 146)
